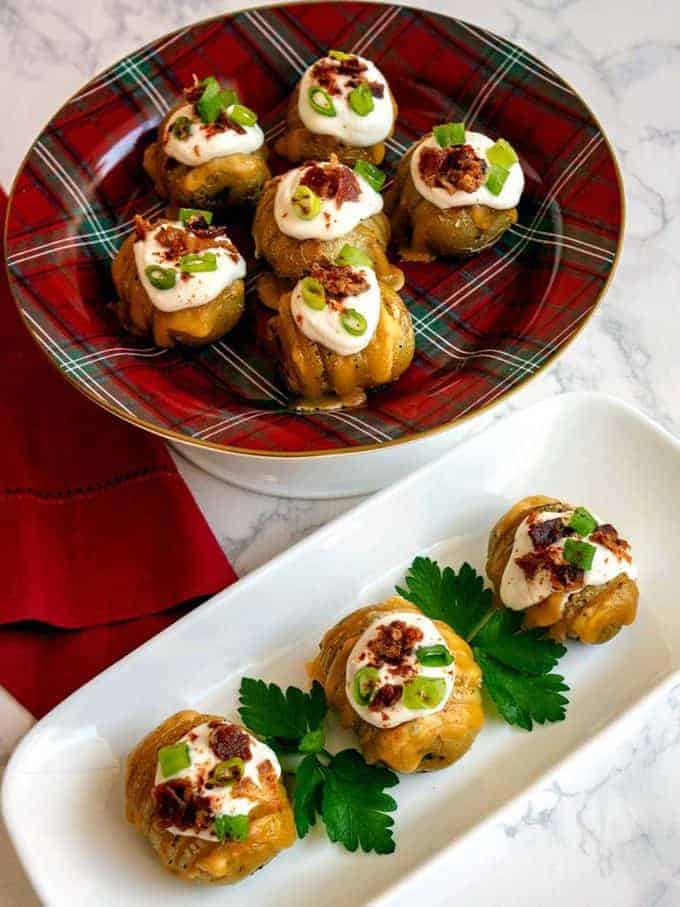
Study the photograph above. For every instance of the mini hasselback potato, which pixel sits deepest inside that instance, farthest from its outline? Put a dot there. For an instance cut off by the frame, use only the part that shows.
(270, 828)
(590, 604)
(427, 743)
(193, 325)
(342, 106)
(424, 230)
(312, 370)
(291, 257)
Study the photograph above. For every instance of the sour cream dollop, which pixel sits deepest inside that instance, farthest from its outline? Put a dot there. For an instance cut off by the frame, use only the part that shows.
(325, 326)
(508, 197)
(397, 671)
(333, 220)
(520, 590)
(338, 78)
(208, 141)
(229, 800)
(190, 290)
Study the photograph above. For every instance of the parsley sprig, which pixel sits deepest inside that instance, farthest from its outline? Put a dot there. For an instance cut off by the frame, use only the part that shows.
(515, 664)
(347, 793)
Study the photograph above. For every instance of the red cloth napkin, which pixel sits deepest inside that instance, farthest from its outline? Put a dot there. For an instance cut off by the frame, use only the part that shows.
(101, 542)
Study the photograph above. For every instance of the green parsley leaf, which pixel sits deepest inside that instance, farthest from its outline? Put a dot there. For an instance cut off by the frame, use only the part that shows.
(309, 780)
(459, 599)
(523, 699)
(525, 650)
(267, 711)
(354, 804)
(516, 664)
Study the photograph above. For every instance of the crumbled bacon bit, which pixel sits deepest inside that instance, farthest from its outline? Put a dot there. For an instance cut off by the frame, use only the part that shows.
(334, 181)
(393, 642)
(222, 124)
(339, 281)
(377, 89)
(174, 804)
(228, 740)
(142, 226)
(454, 169)
(564, 577)
(194, 91)
(325, 73)
(607, 536)
(386, 696)
(549, 532)
(173, 239)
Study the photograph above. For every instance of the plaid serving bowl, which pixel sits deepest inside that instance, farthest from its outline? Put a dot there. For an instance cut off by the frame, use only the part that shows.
(484, 325)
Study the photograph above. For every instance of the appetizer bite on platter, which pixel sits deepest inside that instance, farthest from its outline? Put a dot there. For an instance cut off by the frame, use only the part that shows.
(179, 281)
(208, 796)
(408, 685)
(210, 150)
(455, 193)
(343, 106)
(312, 212)
(564, 569)
(341, 331)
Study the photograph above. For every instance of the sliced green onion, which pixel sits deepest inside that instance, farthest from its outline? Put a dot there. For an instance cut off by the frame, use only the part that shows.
(365, 684)
(436, 656)
(194, 262)
(210, 102)
(353, 322)
(361, 100)
(502, 153)
(424, 692)
(181, 128)
(350, 255)
(173, 759)
(496, 179)
(306, 203)
(313, 293)
(186, 214)
(580, 554)
(227, 772)
(339, 55)
(582, 521)
(242, 115)
(161, 278)
(449, 134)
(232, 828)
(321, 101)
(372, 174)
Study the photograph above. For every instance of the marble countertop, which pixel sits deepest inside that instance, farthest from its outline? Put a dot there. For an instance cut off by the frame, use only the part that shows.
(605, 831)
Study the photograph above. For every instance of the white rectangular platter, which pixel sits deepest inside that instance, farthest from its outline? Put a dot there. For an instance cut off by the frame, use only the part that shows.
(63, 789)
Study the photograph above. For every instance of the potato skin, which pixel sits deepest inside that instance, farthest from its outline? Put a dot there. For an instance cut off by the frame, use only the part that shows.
(423, 231)
(292, 258)
(311, 370)
(299, 144)
(272, 828)
(594, 615)
(425, 744)
(193, 327)
(234, 179)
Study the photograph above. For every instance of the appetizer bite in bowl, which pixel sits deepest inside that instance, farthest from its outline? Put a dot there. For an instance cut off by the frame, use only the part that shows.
(210, 150)
(179, 281)
(569, 573)
(209, 797)
(341, 330)
(408, 685)
(312, 212)
(455, 193)
(343, 106)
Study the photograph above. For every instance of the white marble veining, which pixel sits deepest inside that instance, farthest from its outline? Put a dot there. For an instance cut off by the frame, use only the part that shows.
(605, 831)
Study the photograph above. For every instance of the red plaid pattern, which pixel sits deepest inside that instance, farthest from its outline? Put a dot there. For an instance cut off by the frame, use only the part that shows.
(482, 325)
